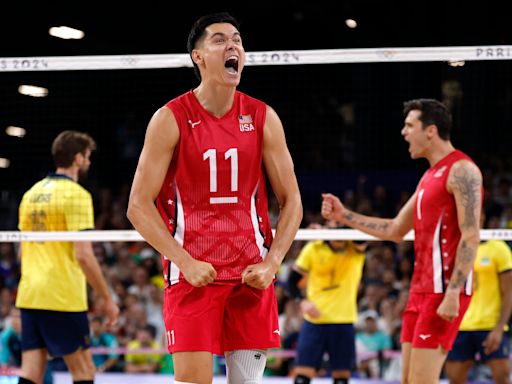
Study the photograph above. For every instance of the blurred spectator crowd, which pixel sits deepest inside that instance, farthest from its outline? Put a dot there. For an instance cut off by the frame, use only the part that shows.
(133, 270)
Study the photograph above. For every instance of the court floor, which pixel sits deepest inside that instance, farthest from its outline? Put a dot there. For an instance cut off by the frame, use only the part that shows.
(121, 378)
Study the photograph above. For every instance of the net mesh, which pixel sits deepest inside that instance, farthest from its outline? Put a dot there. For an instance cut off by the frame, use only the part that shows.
(341, 110)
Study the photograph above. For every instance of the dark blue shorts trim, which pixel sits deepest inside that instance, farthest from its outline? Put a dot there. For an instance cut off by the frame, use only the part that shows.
(468, 346)
(337, 340)
(61, 333)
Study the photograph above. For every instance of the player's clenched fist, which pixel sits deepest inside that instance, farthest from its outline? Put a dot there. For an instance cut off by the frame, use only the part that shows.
(332, 208)
(198, 273)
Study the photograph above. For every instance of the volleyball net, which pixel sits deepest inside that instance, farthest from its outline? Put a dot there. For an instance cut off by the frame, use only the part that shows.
(341, 110)
(132, 235)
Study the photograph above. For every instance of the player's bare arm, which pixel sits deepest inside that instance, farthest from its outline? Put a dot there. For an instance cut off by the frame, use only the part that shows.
(387, 229)
(493, 339)
(92, 271)
(465, 183)
(161, 138)
(280, 171)
(306, 306)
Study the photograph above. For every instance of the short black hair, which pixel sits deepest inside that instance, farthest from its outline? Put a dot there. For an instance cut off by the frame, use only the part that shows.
(197, 31)
(432, 112)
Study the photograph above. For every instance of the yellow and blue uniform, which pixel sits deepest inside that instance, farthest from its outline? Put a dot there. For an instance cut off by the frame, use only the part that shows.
(142, 358)
(51, 277)
(493, 258)
(333, 277)
(333, 281)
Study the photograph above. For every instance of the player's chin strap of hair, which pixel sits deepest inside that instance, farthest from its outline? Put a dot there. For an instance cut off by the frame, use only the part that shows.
(245, 366)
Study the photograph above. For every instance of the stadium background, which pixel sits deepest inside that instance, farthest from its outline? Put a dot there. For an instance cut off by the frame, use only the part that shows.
(339, 119)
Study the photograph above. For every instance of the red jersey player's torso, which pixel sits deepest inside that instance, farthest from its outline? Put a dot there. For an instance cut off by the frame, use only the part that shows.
(214, 199)
(436, 229)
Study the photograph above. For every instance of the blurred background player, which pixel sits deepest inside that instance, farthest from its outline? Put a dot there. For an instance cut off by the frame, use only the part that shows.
(52, 292)
(333, 271)
(483, 329)
(445, 214)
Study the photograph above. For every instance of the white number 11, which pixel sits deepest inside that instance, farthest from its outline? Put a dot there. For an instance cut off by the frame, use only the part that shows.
(211, 155)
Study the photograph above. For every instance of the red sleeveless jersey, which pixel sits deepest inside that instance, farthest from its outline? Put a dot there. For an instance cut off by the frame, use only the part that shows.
(436, 230)
(214, 198)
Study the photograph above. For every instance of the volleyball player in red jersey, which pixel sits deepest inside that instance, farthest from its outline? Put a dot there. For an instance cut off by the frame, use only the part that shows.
(445, 214)
(205, 160)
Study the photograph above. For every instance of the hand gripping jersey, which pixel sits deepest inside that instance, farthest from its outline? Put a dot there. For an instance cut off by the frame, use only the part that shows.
(436, 230)
(214, 198)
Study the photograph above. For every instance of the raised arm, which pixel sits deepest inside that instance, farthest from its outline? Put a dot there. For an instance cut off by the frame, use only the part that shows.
(161, 138)
(280, 171)
(465, 183)
(386, 229)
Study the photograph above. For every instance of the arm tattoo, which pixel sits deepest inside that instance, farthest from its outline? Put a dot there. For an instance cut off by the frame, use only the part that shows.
(458, 279)
(469, 185)
(350, 217)
(465, 255)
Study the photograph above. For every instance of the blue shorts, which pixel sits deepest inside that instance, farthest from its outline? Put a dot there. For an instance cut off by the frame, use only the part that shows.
(337, 340)
(61, 333)
(469, 343)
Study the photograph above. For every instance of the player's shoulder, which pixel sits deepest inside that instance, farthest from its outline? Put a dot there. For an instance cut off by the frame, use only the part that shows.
(314, 245)
(465, 164)
(34, 189)
(317, 243)
(498, 245)
(245, 99)
(184, 97)
(74, 190)
(465, 173)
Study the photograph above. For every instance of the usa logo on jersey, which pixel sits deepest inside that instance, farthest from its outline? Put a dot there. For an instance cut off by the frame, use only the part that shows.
(245, 122)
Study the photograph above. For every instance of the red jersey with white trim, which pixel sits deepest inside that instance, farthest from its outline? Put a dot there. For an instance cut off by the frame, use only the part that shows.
(436, 230)
(214, 198)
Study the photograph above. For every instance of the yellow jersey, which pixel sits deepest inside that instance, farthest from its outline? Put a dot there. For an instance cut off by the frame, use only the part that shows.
(332, 281)
(51, 277)
(493, 257)
(142, 358)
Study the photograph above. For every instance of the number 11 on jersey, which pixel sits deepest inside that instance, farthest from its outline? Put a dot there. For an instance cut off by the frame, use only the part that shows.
(211, 155)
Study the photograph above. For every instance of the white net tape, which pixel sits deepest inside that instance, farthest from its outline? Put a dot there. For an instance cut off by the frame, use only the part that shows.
(324, 56)
(130, 235)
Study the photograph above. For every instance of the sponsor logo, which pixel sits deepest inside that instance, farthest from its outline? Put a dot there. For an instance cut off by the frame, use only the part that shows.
(440, 171)
(193, 124)
(277, 332)
(424, 337)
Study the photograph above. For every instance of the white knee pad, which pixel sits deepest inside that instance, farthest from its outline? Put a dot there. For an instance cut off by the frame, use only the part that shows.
(245, 366)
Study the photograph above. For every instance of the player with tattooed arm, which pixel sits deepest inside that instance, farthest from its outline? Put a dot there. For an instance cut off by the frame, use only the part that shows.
(445, 214)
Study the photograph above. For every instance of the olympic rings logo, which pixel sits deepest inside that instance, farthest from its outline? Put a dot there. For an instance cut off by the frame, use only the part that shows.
(130, 61)
(386, 53)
